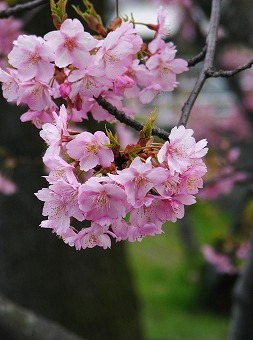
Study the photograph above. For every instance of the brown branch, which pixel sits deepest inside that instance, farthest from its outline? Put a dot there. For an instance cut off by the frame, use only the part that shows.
(198, 58)
(228, 73)
(121, 117)
(19, 323)
(8, 12)
(208, 62)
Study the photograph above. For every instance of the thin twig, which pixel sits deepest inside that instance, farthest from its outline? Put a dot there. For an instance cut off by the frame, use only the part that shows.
(121, 117)
(208, 62)
(228, 73)
(198, 58)
(8, 12)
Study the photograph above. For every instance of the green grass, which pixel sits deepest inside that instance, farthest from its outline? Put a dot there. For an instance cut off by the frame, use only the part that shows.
(167, 282)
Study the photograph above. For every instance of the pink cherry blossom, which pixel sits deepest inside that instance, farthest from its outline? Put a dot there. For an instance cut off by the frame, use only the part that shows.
(60, 170)
(32, 58)
(175, 153)
(174, 206)
(36, 95)
(138, 179)
(65, 89)
(61, 203)
(10, 84)
(171, 185)
(96, 235)
(138, 233)
(115, 53)
(149, 93)
(71, 44)
(91, 150)
(38, 118)
(88, 82)
(191, 180)
(139, 73)
(164, 67)
(163, 27)
(121, 83)
(153, 212)
(102, 203)
(120, 229)
(55, 133)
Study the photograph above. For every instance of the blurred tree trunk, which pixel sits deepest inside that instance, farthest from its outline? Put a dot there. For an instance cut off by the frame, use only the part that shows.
(238, 20)
(89, 292)
(242, 316)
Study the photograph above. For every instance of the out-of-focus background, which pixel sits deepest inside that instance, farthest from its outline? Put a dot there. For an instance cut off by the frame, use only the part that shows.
(174, 286)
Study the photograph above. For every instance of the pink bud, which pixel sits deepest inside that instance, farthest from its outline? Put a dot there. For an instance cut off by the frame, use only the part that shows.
(65, 89)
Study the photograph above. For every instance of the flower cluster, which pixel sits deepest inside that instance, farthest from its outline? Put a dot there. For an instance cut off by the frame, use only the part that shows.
(72, 64)
(124, 194)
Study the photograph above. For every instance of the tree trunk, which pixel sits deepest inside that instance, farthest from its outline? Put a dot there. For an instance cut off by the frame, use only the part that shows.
(242, 315)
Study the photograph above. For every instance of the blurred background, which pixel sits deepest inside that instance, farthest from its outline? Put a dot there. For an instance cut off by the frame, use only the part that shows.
(174, 286)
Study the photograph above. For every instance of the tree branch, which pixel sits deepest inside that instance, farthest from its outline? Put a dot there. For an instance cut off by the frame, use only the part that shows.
(19, 323)
(121, 117)
(208, 62)
(8, 12)
(198, 58)
(229, 73)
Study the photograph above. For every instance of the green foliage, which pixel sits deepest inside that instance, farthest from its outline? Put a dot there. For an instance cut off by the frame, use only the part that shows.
(114, 143)
(58, 10)
(91, 17)
(147, 129)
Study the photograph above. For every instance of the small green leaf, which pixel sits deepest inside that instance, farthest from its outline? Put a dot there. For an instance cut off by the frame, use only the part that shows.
(59, 13)
(147, 129)
(114, 143)
(91, 17)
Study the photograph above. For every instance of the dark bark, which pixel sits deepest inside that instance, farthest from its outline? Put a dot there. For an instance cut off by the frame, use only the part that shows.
(242, 314)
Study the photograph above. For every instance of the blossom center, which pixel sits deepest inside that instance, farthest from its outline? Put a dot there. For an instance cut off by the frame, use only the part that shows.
(176, 151)
(171, 185)
(92, 148)
(141, 180)
(102, 200)
(109, 57)
(89, 84)
(70, 43)
(164, 69)
(34, 58)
